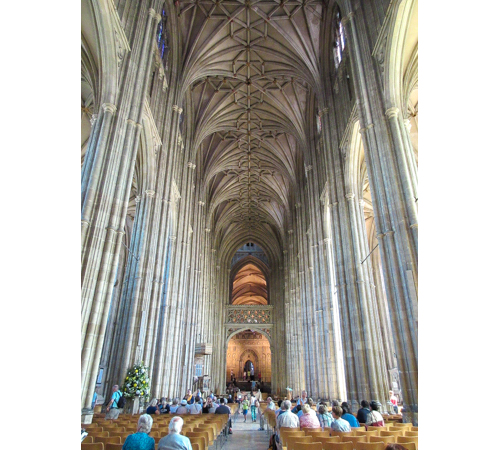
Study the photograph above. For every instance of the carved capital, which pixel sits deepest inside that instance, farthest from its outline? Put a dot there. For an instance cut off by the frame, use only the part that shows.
(207, 230)
(191, 165)
(177, 109)
(391, 112)
(138, 199)
(109, 107)
(298, 205)
(349, 196)
(150, 193)
(158, 18)
(290, 231)
(407, 123)
(151, 12)
(93, 119)
(308, 168)
(323, 112)
(172, 238)
(201, 203)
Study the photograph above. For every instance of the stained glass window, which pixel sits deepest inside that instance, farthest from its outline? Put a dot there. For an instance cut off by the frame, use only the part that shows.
(162, 37)
(339, 38)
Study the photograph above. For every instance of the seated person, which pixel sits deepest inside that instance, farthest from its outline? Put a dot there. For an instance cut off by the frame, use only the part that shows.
(164, 406)
(153, 407)
(141, 440)
(374, 418)
(338, 423)
(347, 415)
(324, 417)
(308, 419)
(174, 440)
(363, 411)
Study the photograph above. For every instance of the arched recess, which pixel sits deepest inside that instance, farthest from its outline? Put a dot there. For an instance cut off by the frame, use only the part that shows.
(238, 267)
(236, 356)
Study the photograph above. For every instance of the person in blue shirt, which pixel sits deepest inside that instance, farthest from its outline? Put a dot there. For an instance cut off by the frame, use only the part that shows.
(112, 409)
(141, 440)
(353, 422)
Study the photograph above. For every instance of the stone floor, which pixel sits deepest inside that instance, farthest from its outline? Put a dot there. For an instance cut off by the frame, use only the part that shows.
(246, 436)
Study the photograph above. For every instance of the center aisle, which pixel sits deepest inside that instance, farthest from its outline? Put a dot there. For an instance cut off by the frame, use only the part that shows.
(246, 436)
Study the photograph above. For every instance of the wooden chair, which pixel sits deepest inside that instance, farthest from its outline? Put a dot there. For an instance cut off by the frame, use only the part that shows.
(354, 439)
(385, 439)
(109, 440)
(291, 441)
(191, 434)
(308, 446)
(100, 434)
(199, 441)
(88, 440)
(341, 433)
(366, 433)
(311, 430)
(370, 446)
(316, 434)
(209, 431)
(412, 428)
(95, 446)
(405, 440)
(113, 446)
(392, 433)
(324, 440)
(370, 428)
(94, 430)
(358, 428)
(338, 446)
(411, 433)
(122, 434)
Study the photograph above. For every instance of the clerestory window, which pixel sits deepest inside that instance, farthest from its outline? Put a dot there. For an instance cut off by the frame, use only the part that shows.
(339, 38)
(162, 37)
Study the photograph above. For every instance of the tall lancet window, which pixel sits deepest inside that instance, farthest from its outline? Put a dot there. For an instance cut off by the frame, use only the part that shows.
(339, 38)
(162, 37)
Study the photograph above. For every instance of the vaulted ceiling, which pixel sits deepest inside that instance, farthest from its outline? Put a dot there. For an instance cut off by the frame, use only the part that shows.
(250, 68)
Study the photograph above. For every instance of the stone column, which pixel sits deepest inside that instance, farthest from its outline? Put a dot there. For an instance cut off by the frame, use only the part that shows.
(395, 219)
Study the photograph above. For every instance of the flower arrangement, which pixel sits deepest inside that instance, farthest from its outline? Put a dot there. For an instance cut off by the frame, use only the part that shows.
(136, 382)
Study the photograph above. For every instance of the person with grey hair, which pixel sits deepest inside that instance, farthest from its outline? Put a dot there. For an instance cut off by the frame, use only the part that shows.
(174, 440)
(287, 418)
(112, 410)
(141, 440)
(174, 405)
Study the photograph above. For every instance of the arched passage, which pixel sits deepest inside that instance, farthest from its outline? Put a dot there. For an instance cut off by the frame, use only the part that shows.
(249, 346)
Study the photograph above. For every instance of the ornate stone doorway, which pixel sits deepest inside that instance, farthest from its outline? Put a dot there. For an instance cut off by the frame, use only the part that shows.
(246, 347)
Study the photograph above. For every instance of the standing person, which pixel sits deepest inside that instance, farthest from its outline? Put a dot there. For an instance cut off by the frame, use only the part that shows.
(260, 377)
(245, 405)
(253, 386)
(260, 415)
(252, 373)
(112, 409)
(141, 440)
(174, 440)
(253, 408)
(394, 401)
